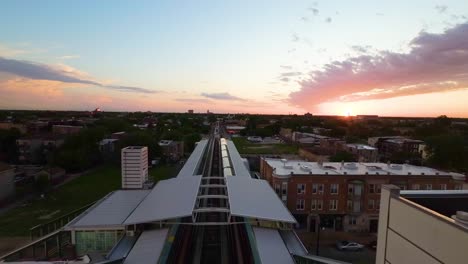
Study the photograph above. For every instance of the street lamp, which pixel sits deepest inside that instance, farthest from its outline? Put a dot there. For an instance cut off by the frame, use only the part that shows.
(318, 239)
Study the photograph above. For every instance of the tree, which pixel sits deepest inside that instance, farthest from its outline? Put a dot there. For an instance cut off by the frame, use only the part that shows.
(342, 156)
(42, 183)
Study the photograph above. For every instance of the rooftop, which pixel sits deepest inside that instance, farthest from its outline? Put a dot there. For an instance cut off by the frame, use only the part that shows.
(300, 167)
(360, 146)
(112, 210)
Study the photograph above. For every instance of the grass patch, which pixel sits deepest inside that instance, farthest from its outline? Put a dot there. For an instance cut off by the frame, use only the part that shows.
(69, 197)
(246, 147)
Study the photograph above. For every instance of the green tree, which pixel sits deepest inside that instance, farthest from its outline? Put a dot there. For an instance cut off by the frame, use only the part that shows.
(42, 183)
(342, 156)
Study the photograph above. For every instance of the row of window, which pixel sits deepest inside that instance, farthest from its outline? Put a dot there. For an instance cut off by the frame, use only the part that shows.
(351, 205)
(356, 189)
(318, 188)
(317, 205)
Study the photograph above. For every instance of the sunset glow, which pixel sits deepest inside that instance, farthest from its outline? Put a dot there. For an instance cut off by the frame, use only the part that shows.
(322, 57)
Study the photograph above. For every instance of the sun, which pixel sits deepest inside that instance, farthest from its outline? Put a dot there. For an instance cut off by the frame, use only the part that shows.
(347, 112)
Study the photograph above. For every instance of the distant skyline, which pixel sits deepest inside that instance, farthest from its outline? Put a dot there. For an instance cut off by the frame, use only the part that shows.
(398, 58)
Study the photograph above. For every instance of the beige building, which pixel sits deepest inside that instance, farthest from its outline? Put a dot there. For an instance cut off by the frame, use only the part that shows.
(422, 227)
(134, 167)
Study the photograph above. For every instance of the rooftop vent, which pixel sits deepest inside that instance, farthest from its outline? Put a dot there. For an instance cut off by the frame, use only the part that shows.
(350, 166)
(461, 217)
(396, 167)
(305, 168)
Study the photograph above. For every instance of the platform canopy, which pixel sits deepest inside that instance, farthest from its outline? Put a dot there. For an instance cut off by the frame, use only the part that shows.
(169, 199)
(110, 211)
(271, 247)
(148, 247)
(237, 162)
(254, 198)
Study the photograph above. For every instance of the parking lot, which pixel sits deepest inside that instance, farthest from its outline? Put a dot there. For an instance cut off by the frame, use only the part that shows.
(327, 245)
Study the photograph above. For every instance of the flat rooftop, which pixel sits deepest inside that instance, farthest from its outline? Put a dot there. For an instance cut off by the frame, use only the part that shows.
(445, 202)
(300, 167)
(361, 146)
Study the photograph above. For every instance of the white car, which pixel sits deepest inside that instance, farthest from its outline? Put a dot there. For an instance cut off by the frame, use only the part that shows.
(254, 139)
(349, 245)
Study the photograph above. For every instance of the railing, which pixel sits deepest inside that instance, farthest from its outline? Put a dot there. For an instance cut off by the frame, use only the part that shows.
(51, 226)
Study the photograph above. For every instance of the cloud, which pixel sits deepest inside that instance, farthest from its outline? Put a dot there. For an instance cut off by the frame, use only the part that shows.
(379, 14)
(290, 74)
(314, 10)
(286, 67)
(441, 8)
(295, 37)
(285, 79)
(361, 49)
(222, 96)
(193, 100)
(305, 19)
(7, 51)
(59, 73)
(435, 63)
(328, 20)
(68, 57)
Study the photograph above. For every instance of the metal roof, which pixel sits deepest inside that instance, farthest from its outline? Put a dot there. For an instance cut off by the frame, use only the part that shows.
(271, 247)
(112, 210)
(194, 160)
(256, 199)
(169, 199)
(148, 247)
(237, 162)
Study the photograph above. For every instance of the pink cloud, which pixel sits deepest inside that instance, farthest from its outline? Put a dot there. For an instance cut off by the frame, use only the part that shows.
(435, 63)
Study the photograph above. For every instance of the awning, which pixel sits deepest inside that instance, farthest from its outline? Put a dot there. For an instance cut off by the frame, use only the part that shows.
(254, 198)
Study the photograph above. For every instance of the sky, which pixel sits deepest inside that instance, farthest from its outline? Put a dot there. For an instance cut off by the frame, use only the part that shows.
(391, 58)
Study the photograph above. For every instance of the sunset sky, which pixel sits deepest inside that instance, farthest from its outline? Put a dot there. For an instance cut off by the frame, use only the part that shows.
(391, 58)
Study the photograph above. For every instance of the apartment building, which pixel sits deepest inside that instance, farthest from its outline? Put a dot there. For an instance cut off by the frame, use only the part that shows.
(174, 150)
(346, 196)
(422, 226)
(134, 167)
(32, 149)
(363, 152)
(388, 146)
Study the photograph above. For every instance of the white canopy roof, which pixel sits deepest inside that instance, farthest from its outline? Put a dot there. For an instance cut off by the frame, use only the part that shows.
(112, 210)
(148, 247)
(173, 198)
(271, 247)
(237, 162)
(256, 199)
(194, 160)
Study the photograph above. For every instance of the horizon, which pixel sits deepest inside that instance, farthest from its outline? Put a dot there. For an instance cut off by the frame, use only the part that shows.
(328, 58)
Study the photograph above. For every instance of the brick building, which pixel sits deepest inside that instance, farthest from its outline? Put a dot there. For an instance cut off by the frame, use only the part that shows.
(346, 196)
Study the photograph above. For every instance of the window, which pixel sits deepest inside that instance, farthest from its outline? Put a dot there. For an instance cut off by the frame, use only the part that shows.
(319, 204)
(415, 187)
(334, 188)
(377, 188)
(458, 187)
(313, 205)
(428, 186)
(317, 188)
(278, 189)
(349, 205)
(371, 204)
(284, 188)
(301, 188)
(377, 205)
(333, 205)
(350, 188)
(300, 205)
(352, 220)
(443, 186)
(371, 188)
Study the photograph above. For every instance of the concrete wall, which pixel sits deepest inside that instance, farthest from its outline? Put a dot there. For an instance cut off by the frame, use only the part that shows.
(410, 233)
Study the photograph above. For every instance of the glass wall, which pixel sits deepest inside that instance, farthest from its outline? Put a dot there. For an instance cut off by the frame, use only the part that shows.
(96, 240)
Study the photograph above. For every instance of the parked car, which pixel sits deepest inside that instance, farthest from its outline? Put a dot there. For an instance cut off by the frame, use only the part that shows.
(348, 245)
(373, 244)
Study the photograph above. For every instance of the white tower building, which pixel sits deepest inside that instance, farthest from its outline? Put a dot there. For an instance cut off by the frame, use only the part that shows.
(134, 167)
